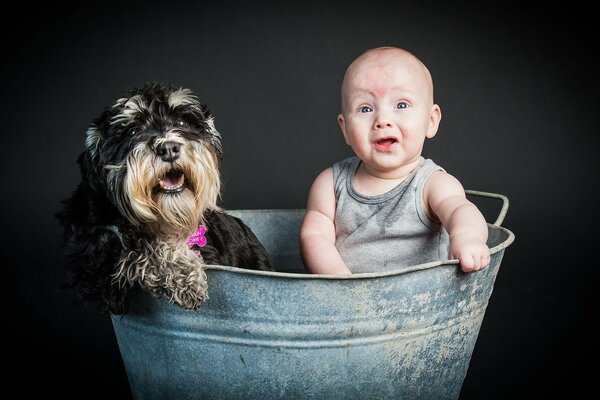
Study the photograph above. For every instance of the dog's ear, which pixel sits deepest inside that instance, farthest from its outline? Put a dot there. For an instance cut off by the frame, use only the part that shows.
(89, 161)
(91, 239)
(92, 246)
(215, 136)
(82, 208)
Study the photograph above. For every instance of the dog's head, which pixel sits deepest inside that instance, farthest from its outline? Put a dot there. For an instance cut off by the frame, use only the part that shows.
(155, 155)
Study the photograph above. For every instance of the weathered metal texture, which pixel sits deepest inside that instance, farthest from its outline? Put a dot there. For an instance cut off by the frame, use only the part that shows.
(407, 334)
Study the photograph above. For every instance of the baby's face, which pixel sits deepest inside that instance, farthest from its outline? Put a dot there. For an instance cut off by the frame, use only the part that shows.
(388, 110)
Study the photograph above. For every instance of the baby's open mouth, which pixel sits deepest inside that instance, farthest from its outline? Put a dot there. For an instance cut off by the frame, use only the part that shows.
(172, 182)
(385, 143)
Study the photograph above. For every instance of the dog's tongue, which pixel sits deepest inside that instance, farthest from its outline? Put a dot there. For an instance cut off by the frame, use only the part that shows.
(172, 180)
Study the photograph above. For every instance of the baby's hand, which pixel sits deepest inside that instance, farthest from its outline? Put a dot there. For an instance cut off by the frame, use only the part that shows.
(472, 253)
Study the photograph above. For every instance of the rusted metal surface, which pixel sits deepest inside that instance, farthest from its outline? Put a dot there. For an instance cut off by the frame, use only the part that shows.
(403, 334)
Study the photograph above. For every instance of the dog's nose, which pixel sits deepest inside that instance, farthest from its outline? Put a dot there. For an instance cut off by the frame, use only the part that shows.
(168, 151)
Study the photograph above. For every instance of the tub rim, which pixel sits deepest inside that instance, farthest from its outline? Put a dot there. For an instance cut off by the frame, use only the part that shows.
(358, 276)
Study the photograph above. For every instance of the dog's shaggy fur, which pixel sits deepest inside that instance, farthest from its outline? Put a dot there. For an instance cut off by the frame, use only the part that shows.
(149, 178)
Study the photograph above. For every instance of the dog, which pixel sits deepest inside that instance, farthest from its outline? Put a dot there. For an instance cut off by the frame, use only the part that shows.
(145, 212)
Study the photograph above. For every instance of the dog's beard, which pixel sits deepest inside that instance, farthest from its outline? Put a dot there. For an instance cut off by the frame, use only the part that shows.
(168, 198)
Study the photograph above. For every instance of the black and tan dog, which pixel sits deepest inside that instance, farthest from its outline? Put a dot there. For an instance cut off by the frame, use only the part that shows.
(145, 212)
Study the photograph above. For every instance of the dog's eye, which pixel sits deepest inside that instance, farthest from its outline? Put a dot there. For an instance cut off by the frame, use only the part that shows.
(132, 132)
(180, 123)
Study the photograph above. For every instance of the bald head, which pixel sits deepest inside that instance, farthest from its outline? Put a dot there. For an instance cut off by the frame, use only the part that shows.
(385, 61)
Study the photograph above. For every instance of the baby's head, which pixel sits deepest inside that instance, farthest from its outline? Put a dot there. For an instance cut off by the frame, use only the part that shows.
(391, 61)
(388, 108)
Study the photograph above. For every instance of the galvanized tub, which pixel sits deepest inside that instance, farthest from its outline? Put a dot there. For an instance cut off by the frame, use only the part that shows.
(404, 334)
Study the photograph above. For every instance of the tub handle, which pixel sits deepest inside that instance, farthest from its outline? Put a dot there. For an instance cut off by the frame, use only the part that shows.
(504, 199)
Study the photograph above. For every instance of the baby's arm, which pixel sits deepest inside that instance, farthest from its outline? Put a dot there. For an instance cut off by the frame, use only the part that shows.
(317, 232)
(464, 223)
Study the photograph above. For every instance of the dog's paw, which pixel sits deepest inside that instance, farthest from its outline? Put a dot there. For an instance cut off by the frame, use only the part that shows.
(190, 291)
(172, 271)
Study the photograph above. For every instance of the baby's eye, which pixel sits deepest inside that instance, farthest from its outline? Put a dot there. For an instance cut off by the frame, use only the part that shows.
(365, 109)
(401, 105)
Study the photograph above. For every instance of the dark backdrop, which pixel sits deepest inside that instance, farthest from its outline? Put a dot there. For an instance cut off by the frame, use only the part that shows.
(515, 85)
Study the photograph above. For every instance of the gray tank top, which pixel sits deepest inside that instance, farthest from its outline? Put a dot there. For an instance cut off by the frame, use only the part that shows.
(388, 231)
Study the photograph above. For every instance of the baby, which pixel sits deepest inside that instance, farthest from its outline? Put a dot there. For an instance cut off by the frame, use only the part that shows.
(387, 206)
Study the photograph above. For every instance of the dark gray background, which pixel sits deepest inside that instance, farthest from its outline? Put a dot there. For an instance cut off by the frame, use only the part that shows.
(516, 86)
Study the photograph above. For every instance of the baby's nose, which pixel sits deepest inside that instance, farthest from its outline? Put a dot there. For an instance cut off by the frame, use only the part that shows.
(381, 125)
(382, 122)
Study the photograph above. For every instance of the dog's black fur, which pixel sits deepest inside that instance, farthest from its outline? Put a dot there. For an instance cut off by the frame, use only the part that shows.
(101, 227)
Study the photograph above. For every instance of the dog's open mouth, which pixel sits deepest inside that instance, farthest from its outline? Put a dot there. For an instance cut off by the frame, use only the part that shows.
(172, 182)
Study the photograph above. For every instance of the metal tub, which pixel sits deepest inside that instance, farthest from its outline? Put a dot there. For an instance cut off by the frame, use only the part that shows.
(403, 334)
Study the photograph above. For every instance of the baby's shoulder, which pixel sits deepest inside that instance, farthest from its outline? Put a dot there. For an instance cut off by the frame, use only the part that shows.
(325, 178)
(441, 183)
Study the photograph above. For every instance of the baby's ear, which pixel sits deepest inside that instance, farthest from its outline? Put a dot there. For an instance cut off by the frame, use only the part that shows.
(434, 121)
(342, 123)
